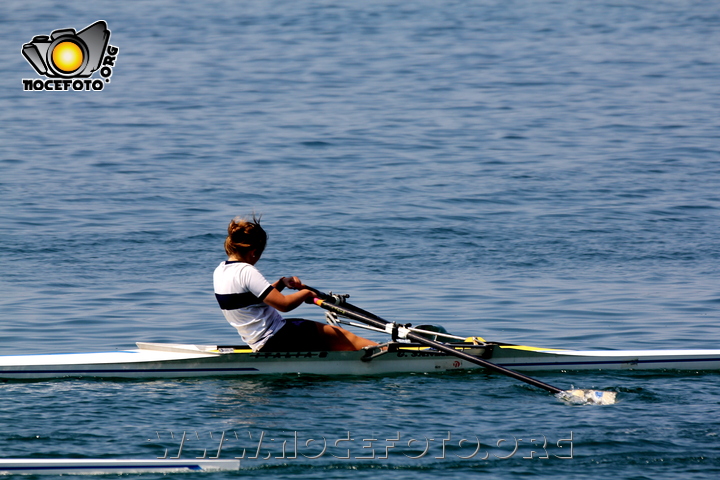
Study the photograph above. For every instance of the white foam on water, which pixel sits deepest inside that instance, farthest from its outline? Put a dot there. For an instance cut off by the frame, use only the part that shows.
(588, 397)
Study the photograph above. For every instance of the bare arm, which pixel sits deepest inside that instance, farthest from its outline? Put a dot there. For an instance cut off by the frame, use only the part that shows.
(286, 303)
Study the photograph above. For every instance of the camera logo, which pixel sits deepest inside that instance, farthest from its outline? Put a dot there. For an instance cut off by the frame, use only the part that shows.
(67, 56)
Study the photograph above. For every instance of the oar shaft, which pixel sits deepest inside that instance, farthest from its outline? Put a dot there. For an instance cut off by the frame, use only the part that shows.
(378, 322)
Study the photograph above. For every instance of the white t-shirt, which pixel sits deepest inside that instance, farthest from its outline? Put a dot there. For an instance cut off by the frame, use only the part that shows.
(240, 290)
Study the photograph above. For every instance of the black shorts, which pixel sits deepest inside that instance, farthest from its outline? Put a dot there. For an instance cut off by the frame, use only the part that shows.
(297, 335)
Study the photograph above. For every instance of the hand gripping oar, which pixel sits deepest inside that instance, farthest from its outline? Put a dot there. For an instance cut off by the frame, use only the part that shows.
(337, 305)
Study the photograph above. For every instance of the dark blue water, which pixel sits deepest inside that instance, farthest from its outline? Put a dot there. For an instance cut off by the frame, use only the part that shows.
(535, 172)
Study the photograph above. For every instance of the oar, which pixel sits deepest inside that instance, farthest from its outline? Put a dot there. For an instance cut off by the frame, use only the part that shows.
(332, 304)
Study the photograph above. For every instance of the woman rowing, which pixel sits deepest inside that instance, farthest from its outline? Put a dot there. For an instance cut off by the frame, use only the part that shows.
(251, 304)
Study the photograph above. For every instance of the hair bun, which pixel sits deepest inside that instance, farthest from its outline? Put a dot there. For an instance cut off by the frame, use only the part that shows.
(245, 235)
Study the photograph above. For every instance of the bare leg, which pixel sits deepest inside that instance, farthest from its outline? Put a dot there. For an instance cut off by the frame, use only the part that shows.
(342, 340)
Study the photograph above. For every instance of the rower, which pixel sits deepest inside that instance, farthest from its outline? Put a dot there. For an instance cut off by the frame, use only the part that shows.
(252, 305)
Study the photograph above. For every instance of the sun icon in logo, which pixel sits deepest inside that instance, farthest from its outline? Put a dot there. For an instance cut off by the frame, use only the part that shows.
(67, 56)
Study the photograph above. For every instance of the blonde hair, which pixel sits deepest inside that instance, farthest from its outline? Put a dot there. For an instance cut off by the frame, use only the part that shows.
(245, 236)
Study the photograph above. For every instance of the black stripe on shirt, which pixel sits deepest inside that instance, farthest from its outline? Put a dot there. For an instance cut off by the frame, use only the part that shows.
(234, 301)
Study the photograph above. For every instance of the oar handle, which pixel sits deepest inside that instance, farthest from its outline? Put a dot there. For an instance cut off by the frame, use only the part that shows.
(340, 300)
(315, 291)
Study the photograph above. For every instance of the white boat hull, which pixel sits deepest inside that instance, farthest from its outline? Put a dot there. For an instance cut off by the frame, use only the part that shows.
(145, 363)
(180, 361)
(569, 360)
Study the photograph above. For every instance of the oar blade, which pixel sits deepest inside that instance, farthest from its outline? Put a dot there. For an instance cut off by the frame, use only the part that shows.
(588, 397)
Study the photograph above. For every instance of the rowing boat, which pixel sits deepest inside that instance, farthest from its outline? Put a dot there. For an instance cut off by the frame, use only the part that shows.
(164, 360)
(401, 355)
(99, 466)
